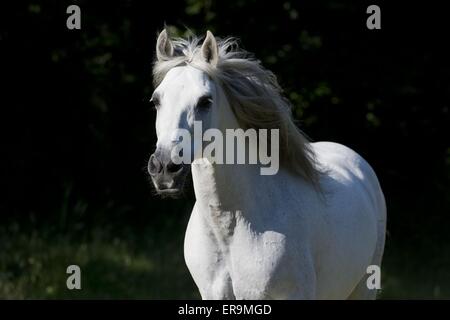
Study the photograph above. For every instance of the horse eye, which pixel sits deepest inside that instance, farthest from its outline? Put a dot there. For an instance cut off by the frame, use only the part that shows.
(204, 103)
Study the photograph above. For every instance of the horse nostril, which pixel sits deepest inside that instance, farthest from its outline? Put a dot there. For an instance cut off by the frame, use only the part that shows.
(173, 168)
(154, 165)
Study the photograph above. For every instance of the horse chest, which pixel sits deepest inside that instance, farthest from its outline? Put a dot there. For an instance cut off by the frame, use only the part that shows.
(235, 262)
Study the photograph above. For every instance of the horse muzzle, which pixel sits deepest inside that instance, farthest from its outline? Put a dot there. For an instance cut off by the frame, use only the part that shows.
(167, 176)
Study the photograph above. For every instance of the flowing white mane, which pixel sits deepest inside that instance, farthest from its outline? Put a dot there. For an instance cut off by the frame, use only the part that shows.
(253, 93)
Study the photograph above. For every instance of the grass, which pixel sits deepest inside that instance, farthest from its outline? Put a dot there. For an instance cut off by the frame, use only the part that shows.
(150, 265)
(33, 266)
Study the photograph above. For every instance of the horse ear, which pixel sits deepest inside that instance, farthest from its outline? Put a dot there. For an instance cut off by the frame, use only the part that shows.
(164, 47)
(209, 49)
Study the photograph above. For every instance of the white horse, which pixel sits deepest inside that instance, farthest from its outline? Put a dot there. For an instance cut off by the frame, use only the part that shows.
(308, 232)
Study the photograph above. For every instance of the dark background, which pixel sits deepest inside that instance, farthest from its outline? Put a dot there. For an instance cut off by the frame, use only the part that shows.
(77, 131)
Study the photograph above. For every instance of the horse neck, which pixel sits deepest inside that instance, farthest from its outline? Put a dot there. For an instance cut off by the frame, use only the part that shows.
(225, 187)
(227, 192)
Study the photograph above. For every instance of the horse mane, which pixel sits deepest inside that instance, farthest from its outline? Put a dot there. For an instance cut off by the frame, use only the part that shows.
(254, 95)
